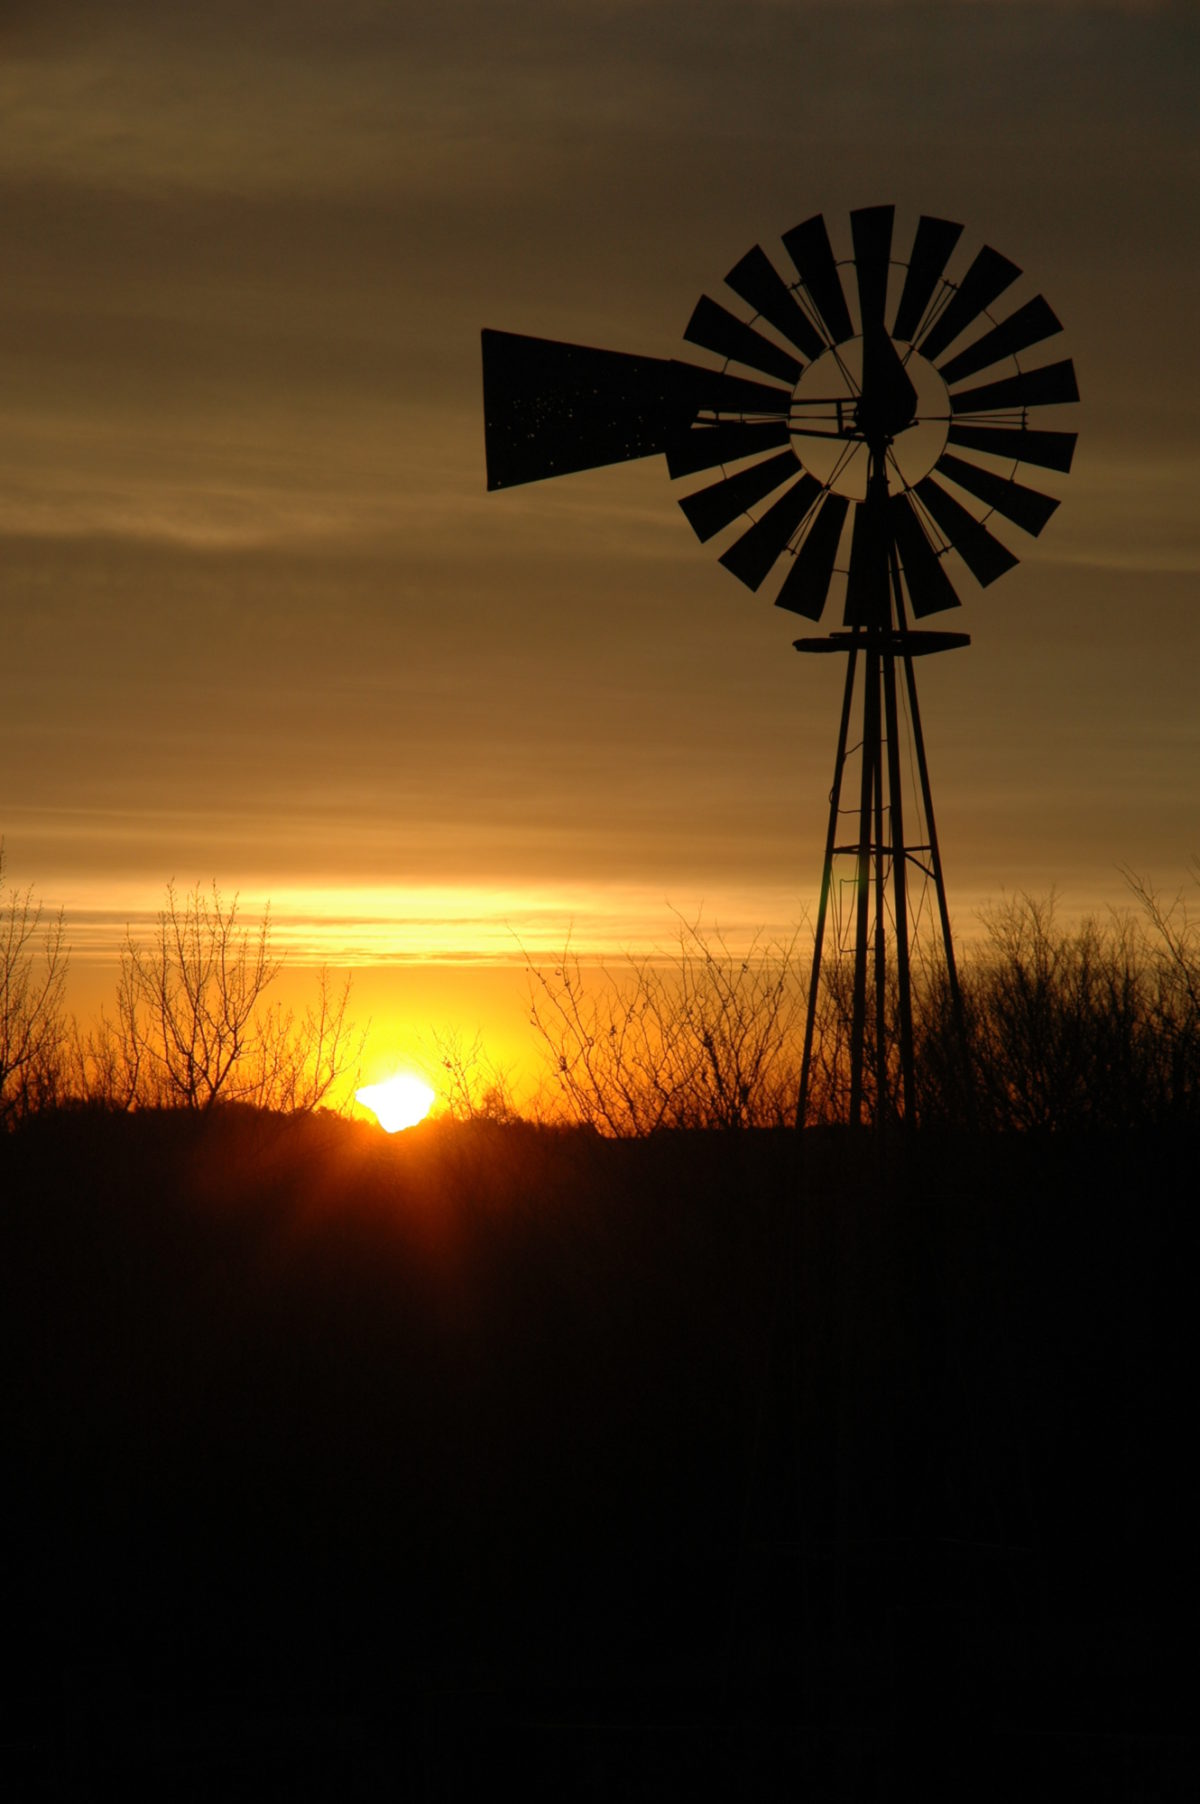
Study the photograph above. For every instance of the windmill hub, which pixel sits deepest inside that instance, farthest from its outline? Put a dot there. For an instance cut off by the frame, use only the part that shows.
(835, 418)
(887, 401)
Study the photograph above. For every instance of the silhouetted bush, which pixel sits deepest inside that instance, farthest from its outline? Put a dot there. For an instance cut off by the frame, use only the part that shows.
(1060, 1027)
(707, 1039)
(1080, 1027)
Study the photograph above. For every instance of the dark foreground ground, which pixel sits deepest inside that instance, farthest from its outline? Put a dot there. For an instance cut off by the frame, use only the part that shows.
(340, 1467)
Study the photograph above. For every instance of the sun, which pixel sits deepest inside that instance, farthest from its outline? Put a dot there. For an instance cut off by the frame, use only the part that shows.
(399, 1102)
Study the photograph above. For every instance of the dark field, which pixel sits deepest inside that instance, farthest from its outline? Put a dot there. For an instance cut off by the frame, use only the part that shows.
(704, 1465)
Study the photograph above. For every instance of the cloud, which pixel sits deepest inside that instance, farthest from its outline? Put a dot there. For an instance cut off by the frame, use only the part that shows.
(475, 99)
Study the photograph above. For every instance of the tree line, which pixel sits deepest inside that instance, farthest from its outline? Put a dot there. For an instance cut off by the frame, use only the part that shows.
(1088, 1025)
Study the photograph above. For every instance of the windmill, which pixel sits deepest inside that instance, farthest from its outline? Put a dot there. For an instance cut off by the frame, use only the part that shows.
(819, 451)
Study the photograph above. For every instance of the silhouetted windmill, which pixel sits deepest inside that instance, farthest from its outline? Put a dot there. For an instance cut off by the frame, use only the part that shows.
(833, 457)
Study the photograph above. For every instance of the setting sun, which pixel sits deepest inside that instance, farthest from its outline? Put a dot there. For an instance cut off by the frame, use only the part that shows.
(398, 1103)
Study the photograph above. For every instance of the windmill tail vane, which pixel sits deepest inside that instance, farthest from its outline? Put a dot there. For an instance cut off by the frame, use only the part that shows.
(861, 434)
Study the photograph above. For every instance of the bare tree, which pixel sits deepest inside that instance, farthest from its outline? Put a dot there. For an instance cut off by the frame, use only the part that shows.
(298, 1060)
(191, 1028)
(193, 993)
(1088, 1026)
(475, 1087)
(705, 1038)
(33, 973)
(110, 1066)
(742, 1012)
(1173, 949)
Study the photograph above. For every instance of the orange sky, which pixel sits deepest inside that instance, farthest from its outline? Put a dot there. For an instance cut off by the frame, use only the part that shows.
(263, 624)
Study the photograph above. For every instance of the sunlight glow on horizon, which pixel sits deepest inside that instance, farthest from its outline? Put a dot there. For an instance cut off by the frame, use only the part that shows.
(399, 1102)
(502, 924)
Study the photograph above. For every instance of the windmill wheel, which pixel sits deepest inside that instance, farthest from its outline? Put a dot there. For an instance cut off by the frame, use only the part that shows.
(861, 405)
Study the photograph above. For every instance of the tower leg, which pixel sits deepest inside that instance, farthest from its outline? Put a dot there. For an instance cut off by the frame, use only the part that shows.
(835, 803)
(880, 950)
(899, 886)
(870, 779)
(935, 856)
(939, 883)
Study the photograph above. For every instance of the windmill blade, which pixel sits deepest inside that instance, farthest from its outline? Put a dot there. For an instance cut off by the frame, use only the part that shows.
(1031, 388)
(929, 588)
(725, 443)
(988, 276)
(810, 250)
(1048, 450)
(712, 326)
(551, 408)
(1029, 325)
(752, 556)
(871, 229)
(757, 280)
(985, 557)
(867, 597)
(806, 584)
(708, 510)
(1027, 508)
(935, 240)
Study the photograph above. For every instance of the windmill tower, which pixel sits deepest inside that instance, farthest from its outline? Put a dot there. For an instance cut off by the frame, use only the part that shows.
(836, 416)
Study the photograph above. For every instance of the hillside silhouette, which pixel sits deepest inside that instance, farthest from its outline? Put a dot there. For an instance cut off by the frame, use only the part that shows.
(702, 1463)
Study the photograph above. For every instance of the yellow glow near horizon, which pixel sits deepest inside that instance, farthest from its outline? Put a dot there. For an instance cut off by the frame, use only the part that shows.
(399, 1102)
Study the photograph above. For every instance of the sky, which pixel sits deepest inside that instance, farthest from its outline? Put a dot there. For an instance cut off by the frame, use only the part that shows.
(264, 625)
